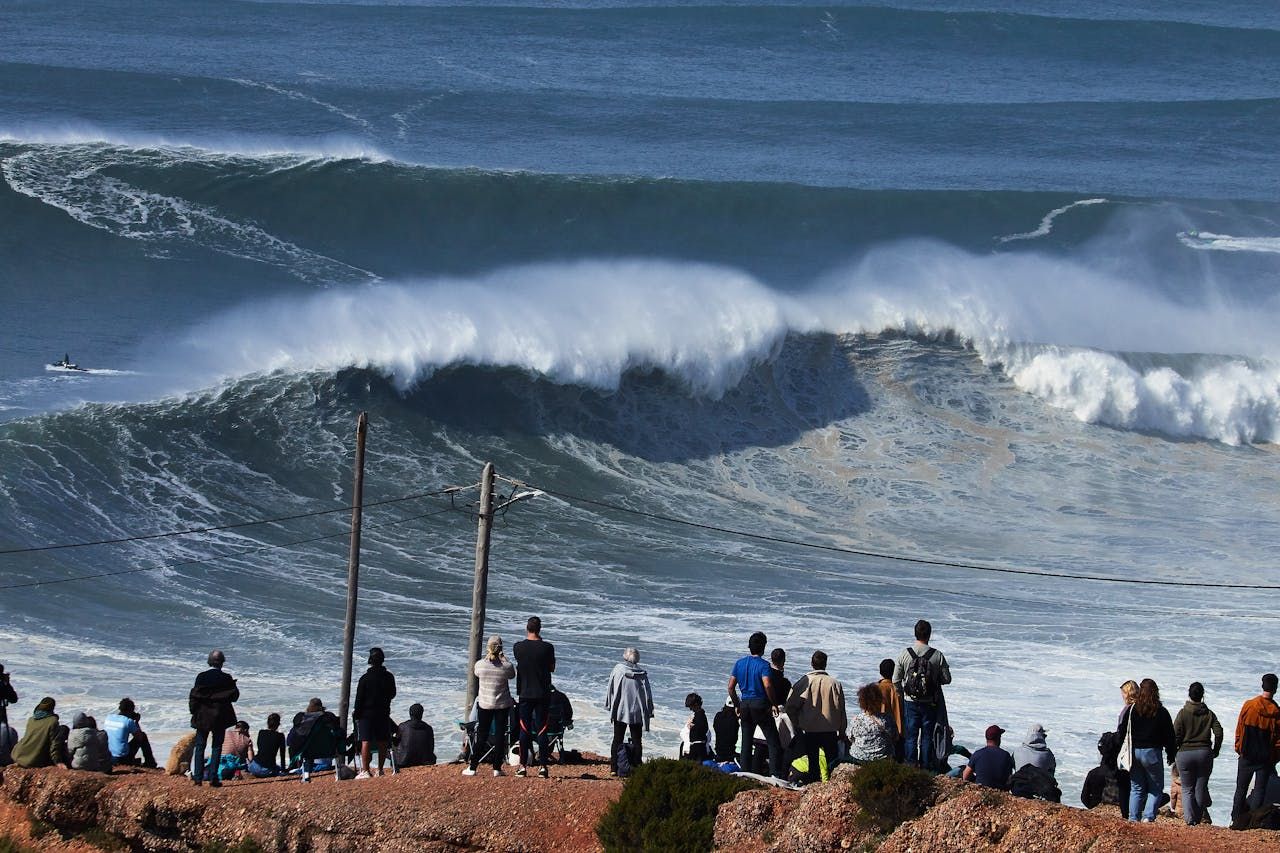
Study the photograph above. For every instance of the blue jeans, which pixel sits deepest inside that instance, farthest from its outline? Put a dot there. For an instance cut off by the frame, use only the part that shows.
(203, 736)
(1146, 783)
(919, 719)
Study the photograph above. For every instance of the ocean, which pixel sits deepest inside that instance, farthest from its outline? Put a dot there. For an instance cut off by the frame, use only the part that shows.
(975, 283)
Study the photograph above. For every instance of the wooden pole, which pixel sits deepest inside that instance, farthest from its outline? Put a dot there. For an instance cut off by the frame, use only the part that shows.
(480, 589)
(353, 572)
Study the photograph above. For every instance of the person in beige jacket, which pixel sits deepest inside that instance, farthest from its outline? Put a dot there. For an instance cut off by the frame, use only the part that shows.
(816, 707)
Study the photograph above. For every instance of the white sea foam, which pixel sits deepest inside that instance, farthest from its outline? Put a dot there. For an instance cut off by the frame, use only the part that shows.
(1205, 241)
(295, 95)
(1046, 224)
(1058, 329)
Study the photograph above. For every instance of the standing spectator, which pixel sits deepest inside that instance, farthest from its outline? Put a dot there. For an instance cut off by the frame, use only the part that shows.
(269, 759)
(816, 706)
(211, 713)
(726, 726)
(493, 705)
(629, 701)
(755, 709)
(1152, 733)
(781, 684)
(1257, 744)
(697, 729)
(126, 737)
(1197, 736)
(920, 672)
(1128, 693)
(372, 712)
(41, 744)
(87, 747)
(535, 662)
(7, 696)
(891, 702)
(1107, 783)
(1036, 752)
(415, 741)
(990, 766)
(869, 736)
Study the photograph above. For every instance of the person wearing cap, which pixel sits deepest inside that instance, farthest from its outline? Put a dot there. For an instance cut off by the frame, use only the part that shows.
(990, 766)
(372, 711)
(211, 715)
(1258, 745)
(1035, 751)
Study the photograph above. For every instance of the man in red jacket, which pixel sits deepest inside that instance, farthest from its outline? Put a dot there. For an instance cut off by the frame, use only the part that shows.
(1258, 745)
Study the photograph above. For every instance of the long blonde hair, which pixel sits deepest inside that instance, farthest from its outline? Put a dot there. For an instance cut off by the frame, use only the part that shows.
(494, 648)
(1129, 690)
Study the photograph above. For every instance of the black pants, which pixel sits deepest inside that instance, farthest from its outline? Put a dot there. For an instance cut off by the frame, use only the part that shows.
(813, 741)
(491, 736)
(620, 731)
(533, 723)
(1245, 772)
(756, 712)
(137, 743)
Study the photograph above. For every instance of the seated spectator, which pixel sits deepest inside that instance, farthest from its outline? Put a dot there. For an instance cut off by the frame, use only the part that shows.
(414, 740)
(126, 737)
(270, 758)
(1107, 783)
(41, 744)
(293, 740)
(869, 738)
(695, 730)
(990, 766)
(1035, 751)
(88, 747)
(318, 739)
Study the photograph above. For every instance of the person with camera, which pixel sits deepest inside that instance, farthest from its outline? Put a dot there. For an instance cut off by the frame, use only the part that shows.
(126, 737)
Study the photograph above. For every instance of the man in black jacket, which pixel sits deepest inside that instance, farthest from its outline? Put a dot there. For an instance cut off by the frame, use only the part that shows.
(211, 714)
(372, 713)
(415, 740)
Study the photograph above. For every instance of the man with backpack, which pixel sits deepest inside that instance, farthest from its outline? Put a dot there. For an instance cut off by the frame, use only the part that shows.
(920, 672)
(1258, 745)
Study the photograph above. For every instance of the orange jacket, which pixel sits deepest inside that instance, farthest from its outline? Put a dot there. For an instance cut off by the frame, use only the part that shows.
(1257, 729)
(892, 703)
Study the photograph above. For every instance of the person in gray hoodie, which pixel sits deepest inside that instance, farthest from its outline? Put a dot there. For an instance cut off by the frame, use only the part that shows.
(1036, 752)
(1197, 735)
(87, 745)
(629, 702)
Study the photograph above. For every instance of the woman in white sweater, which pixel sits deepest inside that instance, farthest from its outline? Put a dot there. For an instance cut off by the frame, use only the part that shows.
(493, 707)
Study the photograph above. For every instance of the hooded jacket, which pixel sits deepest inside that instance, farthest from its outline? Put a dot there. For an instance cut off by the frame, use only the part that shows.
(210, 701)
(374, 693)
(39, 745)
(629, 698)
(1036, 752)
(1257, 731)
(88, 746)
(816, 703)
(1196, 727)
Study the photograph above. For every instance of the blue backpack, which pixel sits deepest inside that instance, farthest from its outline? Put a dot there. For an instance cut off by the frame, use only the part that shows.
(625, 764)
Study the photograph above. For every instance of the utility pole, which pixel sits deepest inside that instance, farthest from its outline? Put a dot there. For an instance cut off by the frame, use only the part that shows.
(353, 572)
(480, 589)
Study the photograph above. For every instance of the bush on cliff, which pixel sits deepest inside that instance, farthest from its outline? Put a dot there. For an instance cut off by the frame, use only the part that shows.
(668, 806)
(888, 793)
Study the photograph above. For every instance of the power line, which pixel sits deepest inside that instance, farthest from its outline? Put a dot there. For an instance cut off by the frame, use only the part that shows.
(901, 558)
(235, 526)
(228, 555)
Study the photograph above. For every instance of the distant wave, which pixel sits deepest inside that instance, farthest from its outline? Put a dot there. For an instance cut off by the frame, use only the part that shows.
(590, 323)
(1205, 241)
(1046, 224)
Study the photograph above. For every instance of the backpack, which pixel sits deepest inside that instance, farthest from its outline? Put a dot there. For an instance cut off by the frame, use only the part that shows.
(920, 684)
(1032, 783)
(625, 765)
(8, 740)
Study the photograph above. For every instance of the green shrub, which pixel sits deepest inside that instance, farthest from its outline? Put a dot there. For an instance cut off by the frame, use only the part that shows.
(668, 806)
(889, 793)
(9, 845)
(103, 840)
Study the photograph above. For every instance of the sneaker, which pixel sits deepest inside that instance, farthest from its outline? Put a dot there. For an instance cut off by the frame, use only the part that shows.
(215, 783)
(497, 771)
(363, 774)
(196, 782)
(468, 771)
(520, 771)
(542, 772)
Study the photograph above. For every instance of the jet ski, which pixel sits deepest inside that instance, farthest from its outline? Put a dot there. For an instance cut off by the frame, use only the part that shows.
(66, 365)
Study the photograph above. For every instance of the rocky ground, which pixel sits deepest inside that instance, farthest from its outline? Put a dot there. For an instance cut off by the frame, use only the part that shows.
(436, 809)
